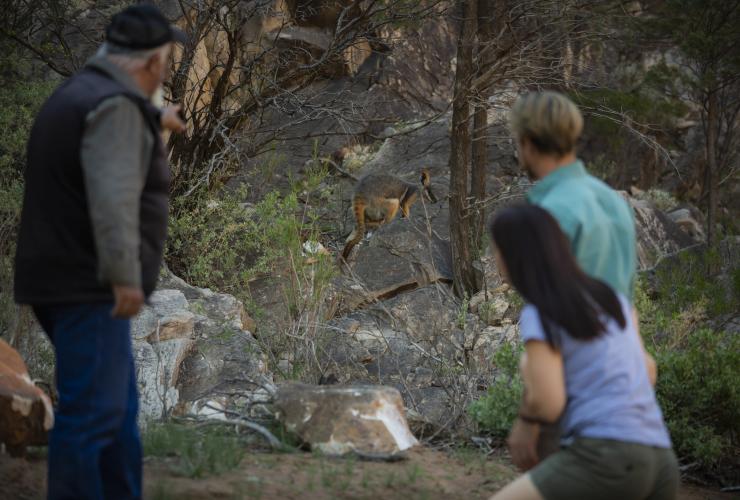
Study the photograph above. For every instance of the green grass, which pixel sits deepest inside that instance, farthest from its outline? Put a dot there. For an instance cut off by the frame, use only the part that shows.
(196, 452)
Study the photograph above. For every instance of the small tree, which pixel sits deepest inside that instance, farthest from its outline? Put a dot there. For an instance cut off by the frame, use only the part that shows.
(501, 42)
(707, 36)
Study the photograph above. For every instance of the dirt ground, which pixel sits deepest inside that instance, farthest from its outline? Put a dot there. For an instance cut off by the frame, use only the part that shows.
(426, 474)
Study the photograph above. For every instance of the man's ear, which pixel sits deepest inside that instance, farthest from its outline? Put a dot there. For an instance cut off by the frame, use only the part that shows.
(153, 61)
(525, 143)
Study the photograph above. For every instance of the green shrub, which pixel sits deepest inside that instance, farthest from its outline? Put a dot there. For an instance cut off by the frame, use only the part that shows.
(646, 103)
(210, 243)
(698, 365)
(496, 411)
(19, 102)
(699, 392)
(225, 244)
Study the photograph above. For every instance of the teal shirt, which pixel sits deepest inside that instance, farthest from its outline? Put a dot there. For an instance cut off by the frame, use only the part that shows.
(597, 221)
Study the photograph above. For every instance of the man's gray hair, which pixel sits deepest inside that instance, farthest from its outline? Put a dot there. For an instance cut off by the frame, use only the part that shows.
(128, 59)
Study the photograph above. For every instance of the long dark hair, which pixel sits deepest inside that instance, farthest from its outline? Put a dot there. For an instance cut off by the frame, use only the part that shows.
(543, 270)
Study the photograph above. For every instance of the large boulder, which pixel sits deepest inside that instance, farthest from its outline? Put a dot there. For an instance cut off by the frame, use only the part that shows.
(26, 413)
(365, 420)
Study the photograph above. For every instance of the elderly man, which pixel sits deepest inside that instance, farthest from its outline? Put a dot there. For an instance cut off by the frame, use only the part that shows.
(90, 245)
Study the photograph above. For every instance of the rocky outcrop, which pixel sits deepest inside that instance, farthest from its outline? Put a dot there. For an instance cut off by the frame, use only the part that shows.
(424, 343)
(657, 235)
(367, 421)
(163, 336)
(192, 348)
(26, 413)
(688, 220)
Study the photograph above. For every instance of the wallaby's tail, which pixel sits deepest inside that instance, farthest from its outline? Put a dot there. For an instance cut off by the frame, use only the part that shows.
(358, 204)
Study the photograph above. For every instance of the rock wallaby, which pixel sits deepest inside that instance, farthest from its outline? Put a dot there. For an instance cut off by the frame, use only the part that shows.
(377, 199)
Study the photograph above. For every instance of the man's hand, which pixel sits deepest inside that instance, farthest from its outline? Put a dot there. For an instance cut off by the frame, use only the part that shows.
(171, 120)
(129, 300)
(523, 444)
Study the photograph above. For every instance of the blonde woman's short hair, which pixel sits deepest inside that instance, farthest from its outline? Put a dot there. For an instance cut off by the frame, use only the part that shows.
(551, 121)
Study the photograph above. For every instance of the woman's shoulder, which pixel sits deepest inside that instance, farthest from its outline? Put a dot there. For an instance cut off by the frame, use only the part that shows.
(530, 325)
(529, 313)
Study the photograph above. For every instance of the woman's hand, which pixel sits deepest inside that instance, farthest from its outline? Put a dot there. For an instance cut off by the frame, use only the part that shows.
(522, 444)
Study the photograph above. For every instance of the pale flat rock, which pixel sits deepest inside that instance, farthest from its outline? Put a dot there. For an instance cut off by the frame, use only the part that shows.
(337, 420)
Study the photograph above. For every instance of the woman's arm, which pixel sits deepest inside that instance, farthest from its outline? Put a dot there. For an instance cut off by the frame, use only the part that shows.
(544, 383)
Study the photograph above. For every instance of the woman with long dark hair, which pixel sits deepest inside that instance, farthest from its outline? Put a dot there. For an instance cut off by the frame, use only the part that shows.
(585, 367)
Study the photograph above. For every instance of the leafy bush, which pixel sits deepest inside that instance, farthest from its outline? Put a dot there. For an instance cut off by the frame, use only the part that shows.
(698, 366)
(19, 102)
(496, 411)
(210, 243)
(699, 392)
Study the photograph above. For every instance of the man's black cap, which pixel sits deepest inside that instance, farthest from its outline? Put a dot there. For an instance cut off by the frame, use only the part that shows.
(142, 27)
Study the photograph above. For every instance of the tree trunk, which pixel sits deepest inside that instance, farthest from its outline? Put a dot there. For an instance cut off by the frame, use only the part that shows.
(480, 126)
(712, 174)
(478, 178)
(464, 282)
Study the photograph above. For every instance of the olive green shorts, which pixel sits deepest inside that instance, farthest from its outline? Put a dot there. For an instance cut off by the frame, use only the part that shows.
(604, 469)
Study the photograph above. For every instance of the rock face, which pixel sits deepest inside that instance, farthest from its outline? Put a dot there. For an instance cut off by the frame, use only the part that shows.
(421, 342)
(412, 254)
(26, 413)
(366, 420)
(688, 220)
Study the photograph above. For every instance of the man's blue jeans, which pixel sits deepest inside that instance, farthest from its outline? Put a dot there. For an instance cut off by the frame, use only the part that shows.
(94, 448)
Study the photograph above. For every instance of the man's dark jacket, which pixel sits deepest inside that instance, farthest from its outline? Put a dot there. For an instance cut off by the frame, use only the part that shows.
(56, 259)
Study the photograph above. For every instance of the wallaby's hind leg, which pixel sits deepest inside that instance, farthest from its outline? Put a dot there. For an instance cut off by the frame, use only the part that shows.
(406, 204)
(391, 209)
